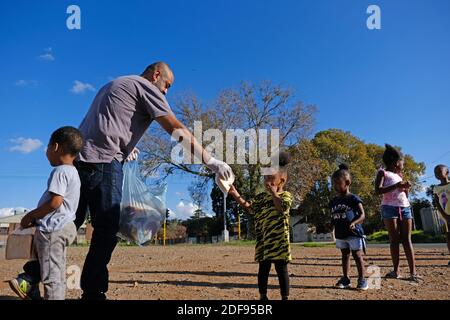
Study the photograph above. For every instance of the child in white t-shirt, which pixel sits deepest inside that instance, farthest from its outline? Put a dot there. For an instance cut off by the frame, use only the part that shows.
(441, 194)
(53, 219)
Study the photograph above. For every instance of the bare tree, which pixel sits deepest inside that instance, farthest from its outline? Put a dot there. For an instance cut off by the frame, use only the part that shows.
(306, 168)
(262, 106)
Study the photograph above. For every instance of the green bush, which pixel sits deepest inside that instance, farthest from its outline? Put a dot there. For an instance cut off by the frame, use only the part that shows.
(417, 236)
(379, 236)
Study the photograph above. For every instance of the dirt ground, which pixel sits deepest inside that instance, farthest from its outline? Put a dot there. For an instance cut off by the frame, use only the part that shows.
(226, 272)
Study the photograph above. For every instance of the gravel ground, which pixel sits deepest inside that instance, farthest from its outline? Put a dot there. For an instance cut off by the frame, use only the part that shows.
(224, 272)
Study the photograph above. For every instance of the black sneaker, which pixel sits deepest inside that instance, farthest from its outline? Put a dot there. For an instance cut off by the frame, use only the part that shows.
(24, 288)
(343, 283)
(362, 284)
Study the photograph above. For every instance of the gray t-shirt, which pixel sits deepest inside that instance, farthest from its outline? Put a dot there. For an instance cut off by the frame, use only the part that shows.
(119, 116)
(64, 181)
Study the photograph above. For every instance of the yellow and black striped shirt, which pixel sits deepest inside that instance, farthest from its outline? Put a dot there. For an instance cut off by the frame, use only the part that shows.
(272, 227)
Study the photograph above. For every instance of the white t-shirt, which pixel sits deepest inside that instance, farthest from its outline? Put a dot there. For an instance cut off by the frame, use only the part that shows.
(443, 193)
(63, 181)
(119, 116)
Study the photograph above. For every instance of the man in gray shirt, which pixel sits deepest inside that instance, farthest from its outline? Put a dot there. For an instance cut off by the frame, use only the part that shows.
(119, 116)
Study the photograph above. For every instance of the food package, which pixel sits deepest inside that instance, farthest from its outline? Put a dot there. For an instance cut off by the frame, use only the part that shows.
(225, 185)
(19, 244)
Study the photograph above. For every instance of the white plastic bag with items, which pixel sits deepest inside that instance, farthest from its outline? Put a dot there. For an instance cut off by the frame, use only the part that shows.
(142, 209)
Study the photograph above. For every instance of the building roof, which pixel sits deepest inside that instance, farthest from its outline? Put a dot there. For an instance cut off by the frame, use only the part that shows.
(18, 217)
(12, 219)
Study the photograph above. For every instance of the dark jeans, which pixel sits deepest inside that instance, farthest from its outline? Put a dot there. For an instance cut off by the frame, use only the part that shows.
(101, 194)
(281, 268)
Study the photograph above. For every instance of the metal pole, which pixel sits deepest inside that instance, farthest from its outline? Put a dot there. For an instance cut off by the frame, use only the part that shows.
(239, 226)
(224, 213)
(164, 233)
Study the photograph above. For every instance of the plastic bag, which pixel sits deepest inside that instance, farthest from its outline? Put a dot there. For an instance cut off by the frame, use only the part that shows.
(142, 209)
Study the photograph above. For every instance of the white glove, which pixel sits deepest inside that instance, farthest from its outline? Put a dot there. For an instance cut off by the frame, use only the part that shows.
(220, 168)
(133, 155)
(225, 185)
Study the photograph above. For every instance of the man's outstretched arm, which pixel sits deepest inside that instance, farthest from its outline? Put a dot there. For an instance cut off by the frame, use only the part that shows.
(171, 124)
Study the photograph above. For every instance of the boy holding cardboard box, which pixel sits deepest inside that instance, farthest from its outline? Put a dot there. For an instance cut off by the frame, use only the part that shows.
(53, 219)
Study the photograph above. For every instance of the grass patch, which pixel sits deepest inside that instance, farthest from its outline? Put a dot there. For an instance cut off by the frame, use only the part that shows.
(232, 243)
(317, 245)
(119, 244)
(239, 243)
(80, 244)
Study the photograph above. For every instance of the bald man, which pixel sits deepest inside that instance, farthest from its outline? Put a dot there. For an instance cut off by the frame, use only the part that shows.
(118, 117)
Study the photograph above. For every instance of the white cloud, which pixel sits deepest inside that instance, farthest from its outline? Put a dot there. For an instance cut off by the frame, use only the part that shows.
(25, 145)
(24, 83)
(80, 87)
(6, 212)
(183, 211)
(47, 55)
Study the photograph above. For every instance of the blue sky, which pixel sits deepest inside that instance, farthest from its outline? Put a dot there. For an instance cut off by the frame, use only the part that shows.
(389, 85)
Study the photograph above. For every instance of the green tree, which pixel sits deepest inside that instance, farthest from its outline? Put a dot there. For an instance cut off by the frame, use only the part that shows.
(335, 147)
(304, 170)
(203, 227)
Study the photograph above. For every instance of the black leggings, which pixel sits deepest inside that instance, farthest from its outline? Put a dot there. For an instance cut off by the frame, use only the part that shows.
(283, 277)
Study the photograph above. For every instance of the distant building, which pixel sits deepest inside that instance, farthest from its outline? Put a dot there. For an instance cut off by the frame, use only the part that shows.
(431, 221)
(301, 231)
(11, 223)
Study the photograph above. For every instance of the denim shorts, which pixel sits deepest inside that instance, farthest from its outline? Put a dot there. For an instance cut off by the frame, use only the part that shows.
(352, 243)
(390, 212)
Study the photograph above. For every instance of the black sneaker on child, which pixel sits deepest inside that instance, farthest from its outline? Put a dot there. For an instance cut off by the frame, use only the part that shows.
(343, 283)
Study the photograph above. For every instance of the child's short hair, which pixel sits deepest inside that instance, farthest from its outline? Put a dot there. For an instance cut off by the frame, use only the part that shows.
(439, 167)
(69, 138)
(342, 172)
(284, 158)
(391, 155)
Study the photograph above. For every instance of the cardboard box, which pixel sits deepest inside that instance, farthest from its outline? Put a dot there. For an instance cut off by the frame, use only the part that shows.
(20, 244)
